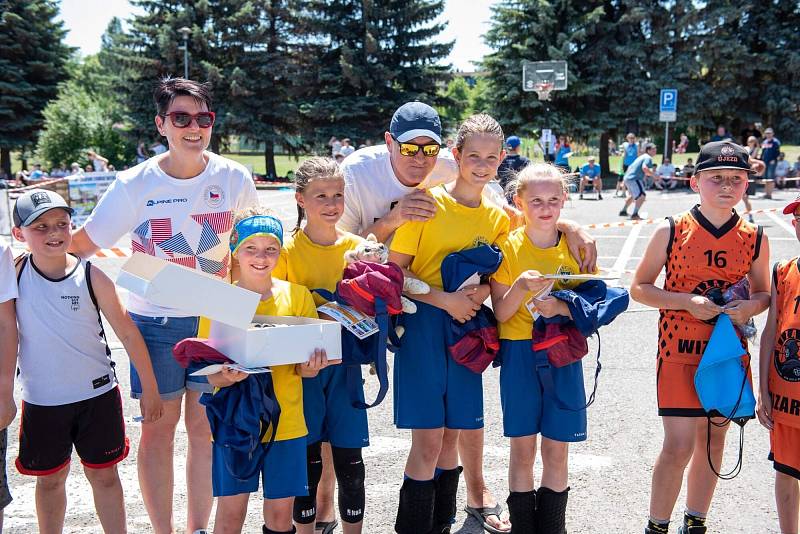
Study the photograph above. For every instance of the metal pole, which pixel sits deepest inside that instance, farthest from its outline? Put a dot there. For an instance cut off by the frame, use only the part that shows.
(666, 140)
(185, 56)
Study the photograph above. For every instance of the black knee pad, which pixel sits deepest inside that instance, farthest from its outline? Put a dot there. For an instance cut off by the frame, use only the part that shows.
(415, 510)
(444, 510)
(551, 510)
(349, 467)
(305, 508)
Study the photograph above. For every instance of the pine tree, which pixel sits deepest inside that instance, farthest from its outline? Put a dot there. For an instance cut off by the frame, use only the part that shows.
(370, 57)
(33, 61)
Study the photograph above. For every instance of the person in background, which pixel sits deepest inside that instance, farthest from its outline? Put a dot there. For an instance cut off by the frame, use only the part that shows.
(591, 173)
(665, 176)
(99, 163)
(722, 134)
(347, 148)
(563, 153)
(37, 173)
(336, 146)
(682, 145)
(770, 149)
(630, 151)
(512, 163)
(141, 152)
(782, 169)
(75, 169)
(158, 148)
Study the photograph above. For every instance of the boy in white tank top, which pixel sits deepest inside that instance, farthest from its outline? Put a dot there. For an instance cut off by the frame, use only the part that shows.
(69, 387)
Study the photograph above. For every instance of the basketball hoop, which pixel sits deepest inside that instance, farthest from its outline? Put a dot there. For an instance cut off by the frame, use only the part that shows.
(543, 90)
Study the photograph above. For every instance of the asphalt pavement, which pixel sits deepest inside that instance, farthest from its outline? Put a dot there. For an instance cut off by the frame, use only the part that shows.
(609, 472)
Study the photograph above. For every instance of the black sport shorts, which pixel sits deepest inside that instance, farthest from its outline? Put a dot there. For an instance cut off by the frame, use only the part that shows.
(94, 426)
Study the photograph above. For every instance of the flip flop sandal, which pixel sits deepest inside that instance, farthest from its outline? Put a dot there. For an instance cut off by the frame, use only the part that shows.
(480, 515)
(326, 527)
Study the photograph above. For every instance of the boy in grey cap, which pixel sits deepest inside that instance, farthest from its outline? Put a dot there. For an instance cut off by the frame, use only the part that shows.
(69, 387)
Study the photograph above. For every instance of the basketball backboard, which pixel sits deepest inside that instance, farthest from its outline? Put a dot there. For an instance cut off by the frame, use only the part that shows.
(535, 73)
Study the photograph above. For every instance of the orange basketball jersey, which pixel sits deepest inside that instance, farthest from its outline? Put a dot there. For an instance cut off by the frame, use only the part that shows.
(703, 260)
(784, 373)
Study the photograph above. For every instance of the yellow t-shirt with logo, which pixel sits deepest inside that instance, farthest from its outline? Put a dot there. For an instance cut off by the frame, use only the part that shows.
(520, 255)
(453, 228)
(315, 266)
(288, 300)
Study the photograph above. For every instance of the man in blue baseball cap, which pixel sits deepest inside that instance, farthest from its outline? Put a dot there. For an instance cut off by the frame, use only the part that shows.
(512, 163)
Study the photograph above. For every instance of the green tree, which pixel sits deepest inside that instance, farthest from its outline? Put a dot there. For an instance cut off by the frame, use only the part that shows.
(369, 58)
(457, 98)
(78, 120)
(32, 60)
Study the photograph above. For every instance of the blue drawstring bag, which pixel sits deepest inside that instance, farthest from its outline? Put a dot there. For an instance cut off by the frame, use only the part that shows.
(723, 387)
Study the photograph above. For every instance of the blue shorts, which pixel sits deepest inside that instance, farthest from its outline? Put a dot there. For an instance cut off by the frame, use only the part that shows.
(430, 389)
(330, 416)
(283, 472)
(636, 187)
(527, 409)
(160, 335)
(770, 172)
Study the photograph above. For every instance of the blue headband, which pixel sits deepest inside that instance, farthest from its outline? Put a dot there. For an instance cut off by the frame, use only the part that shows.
(257, 225)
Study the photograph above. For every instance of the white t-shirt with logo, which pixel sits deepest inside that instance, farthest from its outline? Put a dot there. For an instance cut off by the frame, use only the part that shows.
(8, 277)
(372, 189)
(187, 221)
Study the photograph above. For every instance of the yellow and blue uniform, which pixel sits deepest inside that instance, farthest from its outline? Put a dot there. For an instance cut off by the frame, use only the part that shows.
(284, 469)
(430, 389)
(527, 409)
(329, 414)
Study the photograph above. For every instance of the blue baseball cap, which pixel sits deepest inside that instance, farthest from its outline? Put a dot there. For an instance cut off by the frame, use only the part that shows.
(415, 119)
(513, 141)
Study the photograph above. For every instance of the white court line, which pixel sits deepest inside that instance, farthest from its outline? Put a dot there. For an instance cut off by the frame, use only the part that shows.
(780, 222)
(627, 248)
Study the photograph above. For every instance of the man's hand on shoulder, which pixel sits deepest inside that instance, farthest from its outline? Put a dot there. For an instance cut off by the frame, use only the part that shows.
(415, 206)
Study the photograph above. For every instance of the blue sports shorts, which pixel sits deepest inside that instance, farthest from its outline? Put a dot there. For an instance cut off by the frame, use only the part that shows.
(330, 416)
(636, 187)
(160, 335)
(430, 389)
(283, 472)
(527, 408)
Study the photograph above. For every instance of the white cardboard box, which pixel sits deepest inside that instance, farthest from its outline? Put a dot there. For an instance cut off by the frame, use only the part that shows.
(231, 310)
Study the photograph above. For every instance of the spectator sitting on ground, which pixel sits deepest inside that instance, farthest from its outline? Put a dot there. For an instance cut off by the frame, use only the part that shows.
(99, 163)
(782, 168)
(591, 173)
(665, 176)
(688, 169)
(347, 148)
(796, 168)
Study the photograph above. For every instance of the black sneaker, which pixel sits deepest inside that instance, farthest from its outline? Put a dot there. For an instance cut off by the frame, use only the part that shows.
(636, 217)
(623, 213)
(599, 196)
(581, 196)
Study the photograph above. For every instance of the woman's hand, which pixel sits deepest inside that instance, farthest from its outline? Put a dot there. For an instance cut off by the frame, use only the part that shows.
(702, 308)
(318, 360)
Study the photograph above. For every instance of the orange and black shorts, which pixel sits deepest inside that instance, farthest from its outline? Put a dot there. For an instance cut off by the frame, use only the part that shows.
(784, 449)
(676, 394)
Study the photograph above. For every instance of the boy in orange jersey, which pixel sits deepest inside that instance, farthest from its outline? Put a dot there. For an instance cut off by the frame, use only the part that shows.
(705, 251)
(779, 373)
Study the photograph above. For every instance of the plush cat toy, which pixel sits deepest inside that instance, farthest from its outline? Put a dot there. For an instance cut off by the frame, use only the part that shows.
(371, 250)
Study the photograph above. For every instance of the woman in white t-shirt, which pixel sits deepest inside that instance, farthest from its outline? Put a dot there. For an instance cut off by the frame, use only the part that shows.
(176, 206)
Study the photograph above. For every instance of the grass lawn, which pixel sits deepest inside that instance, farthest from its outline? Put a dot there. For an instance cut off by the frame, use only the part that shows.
(257, 165)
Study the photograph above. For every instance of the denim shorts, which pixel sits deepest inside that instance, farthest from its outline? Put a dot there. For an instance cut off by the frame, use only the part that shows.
(770, 172)
(160, 335)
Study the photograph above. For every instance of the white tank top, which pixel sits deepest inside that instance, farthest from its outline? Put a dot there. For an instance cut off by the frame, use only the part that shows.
(63, 355)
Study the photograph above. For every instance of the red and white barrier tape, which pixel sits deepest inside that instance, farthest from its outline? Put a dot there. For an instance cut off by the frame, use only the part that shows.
(626, 224)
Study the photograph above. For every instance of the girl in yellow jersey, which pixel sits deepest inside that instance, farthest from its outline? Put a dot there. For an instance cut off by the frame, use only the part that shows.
(528, 410)
(704, 251)
(433, 395)
(256, 244)
(314, 257)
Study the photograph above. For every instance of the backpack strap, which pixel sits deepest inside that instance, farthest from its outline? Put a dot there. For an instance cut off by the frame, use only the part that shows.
(381, 367)
(19, 264)
(545, 371)
(92, 296)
